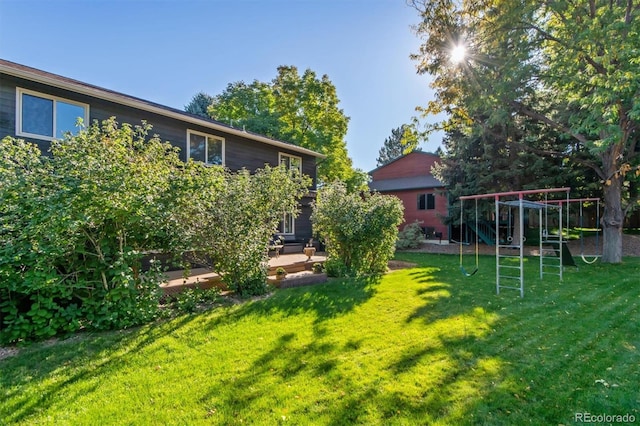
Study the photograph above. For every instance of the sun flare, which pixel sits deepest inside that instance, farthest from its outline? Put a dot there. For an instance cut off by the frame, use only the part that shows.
(458, 53)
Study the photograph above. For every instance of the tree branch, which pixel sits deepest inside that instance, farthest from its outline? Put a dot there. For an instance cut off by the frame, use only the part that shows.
(524, 110)
(547, 36)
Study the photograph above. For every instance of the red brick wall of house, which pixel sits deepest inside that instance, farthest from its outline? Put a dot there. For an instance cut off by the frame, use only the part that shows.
(430, 218)
(413, 164)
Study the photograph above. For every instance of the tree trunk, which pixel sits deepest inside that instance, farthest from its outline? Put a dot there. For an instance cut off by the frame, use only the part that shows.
(612, 218)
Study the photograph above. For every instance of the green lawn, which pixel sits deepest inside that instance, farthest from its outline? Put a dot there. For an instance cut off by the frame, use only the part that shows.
(419, 346)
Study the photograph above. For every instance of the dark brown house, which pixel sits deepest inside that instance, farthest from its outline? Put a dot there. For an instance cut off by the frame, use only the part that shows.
(39, 106)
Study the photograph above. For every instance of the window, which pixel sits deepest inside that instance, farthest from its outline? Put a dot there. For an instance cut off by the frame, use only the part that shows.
(291, 162)
(426, 202)
(47, 117)
(205, 148)
(287, 226)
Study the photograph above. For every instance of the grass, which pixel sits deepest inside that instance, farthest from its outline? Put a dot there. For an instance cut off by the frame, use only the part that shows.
(419, 346)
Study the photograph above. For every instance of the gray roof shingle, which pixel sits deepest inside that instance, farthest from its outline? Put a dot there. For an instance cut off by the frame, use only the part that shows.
(399, 184)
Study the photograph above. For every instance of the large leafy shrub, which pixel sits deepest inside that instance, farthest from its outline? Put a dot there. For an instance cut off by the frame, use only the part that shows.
(227, 219)
(72, 228)
(360, 230)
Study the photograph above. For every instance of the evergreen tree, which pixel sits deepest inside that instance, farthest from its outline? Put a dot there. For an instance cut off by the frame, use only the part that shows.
(401, 142)
(564, 66)
(199, 104)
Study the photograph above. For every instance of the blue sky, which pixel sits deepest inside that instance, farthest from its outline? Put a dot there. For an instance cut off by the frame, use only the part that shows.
(166, 51)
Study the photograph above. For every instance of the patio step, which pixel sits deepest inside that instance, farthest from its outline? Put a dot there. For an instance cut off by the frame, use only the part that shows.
(293, 268)
(205, 279)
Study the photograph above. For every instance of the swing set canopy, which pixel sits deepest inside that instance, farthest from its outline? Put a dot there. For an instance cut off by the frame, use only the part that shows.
(528, 204)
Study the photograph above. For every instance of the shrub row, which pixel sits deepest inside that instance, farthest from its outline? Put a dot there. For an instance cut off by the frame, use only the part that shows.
(74, 226)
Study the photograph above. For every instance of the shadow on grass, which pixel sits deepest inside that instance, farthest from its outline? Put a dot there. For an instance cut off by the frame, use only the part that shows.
(79, 359)
(325, 301)
(466, 355)
(451, 380)
(72, 361)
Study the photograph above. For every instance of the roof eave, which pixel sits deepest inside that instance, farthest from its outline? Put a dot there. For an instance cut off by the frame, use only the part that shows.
(122, 99)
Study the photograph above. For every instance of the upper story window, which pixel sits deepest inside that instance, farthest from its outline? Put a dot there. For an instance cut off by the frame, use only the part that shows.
(291, 162)
(47, 117)
(426, 202)
(205, 148)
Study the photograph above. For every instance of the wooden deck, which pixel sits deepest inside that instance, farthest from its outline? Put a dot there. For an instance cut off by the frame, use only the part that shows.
(295, 264)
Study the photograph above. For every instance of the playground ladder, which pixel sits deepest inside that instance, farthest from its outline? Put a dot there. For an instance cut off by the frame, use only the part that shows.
(551, 253)
(510, 267)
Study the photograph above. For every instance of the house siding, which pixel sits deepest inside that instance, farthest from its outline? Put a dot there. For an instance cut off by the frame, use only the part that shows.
(413, 164)
(429, 218)
(240, 152)
(409, 166)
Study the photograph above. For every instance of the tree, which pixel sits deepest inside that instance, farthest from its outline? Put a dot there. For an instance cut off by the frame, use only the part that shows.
(199, 104)
(571, 67)
(402, 141)
(248, 106)
(300, 109)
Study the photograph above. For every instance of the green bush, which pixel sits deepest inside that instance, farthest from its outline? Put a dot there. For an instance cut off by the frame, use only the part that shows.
(360, 231)
(236, 215)
(410, 237)
(72, 227)
(189, 300)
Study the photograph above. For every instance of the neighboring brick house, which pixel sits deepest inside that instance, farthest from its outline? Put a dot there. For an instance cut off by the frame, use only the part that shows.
(409, 178)
(39, 106)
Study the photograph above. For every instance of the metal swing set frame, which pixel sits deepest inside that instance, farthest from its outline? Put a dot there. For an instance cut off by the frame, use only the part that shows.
(549, 264)
(586, 258)
(510, 267)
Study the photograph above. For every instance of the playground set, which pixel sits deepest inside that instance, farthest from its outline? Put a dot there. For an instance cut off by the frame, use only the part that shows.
(509, 231)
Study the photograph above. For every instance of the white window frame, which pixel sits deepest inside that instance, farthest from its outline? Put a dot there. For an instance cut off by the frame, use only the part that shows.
(293, 224)
(20, 91)
(207, 136)
(282, 155)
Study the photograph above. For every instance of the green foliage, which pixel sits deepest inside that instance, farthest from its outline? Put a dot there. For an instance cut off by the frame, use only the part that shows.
(199, 104)
(541, 79)
(360, 231)
(403, 140)
(193, 299)
(318, 268)
(71, 229)
(411, 236)
(301, 109)
(226, 220)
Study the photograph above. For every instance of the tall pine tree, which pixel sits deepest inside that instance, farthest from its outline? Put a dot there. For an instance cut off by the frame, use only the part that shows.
(402, 141)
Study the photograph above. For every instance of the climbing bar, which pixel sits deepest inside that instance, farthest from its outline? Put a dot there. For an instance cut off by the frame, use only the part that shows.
(504, 194)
